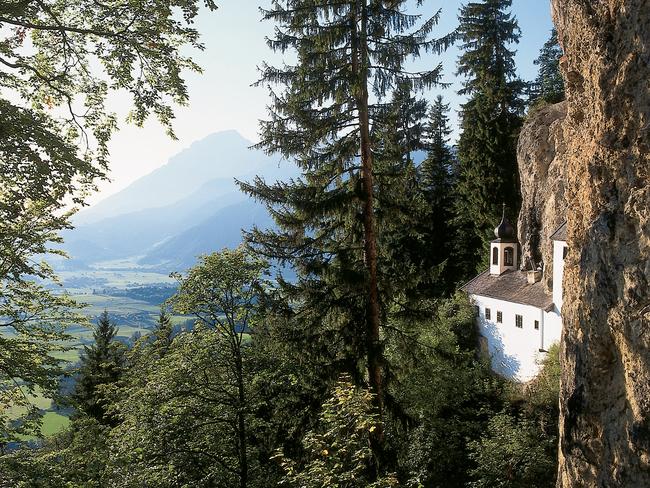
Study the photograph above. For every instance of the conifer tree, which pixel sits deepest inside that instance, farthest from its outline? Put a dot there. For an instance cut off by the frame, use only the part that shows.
(164, 331)
(406, 114)
(490, 122)
(101, 367)
(406, 272)
(323, 120)
(549, 84)
(436, 178)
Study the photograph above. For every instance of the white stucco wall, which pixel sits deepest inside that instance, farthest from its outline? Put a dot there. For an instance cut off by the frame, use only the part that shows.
(552, 328)
(515, 352)
(558, 272)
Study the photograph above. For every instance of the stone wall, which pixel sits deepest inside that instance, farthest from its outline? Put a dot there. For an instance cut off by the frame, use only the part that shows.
(541, 155)
(605, 391)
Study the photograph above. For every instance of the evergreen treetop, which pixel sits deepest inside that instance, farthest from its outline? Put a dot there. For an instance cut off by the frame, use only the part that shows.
(101, 367)
(486, 30)
(490, 123)
(549, 84)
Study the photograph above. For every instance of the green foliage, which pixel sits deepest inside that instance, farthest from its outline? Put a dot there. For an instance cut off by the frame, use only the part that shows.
(549, 84)
(511, 454)
(249, 397)
(333, 221)
(60, 60)
(437, 178)
(163, 334)
(102, 365)
(179, 418)
(337, 452)
(58, 53)
(544, 390)
(519, 447)
(446, 395)
(186, 411)
(490, 122)
(75, 458)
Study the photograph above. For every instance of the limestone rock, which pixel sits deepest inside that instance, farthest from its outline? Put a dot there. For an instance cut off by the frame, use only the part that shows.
(541, 155)
(605, 390)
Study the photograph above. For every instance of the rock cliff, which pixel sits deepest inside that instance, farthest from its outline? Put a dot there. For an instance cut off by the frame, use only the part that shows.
(605, 390)
(541, 155)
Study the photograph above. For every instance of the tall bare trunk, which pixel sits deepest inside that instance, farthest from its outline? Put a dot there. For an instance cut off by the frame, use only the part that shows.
(241, 421)
(605, 390)
(360, 66)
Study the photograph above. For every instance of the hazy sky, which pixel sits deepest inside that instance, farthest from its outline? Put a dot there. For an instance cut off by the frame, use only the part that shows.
(222, 98)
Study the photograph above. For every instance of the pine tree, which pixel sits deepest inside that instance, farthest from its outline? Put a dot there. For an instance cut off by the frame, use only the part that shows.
(164, 332)
(549, 84)
(406, 271)
(436, 179)
(405, 118)
(490, 123)
(323, 119)
(101, 368)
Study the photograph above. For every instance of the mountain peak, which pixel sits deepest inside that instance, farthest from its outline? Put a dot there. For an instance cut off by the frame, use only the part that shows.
(225, 154)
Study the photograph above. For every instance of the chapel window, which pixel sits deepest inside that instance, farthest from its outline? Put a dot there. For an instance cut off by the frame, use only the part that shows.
(508, 256)
(495, 255)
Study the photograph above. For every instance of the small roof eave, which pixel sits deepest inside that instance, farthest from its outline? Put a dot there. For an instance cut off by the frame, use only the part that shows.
(560, 233)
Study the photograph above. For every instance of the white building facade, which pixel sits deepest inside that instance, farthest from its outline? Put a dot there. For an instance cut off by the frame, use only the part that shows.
(518, 319)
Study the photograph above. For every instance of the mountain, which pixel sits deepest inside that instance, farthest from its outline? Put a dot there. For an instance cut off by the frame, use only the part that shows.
(223, 229)
(224, 155)
(133, 233)
(189, 206)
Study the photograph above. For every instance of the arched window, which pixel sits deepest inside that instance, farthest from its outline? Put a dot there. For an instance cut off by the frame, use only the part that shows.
(508, 256)
(495, 256)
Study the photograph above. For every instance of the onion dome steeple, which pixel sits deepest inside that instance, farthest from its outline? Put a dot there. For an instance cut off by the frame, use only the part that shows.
(505, 231)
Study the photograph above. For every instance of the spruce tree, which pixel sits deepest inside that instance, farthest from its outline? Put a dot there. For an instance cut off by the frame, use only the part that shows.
(322, 119)
(490, 123)
(406, 272)
(101, 367)
(436, 176)
(164, 332)
(549, 84)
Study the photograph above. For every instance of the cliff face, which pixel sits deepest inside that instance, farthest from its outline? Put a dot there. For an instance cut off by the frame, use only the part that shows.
(541, 155)
(605, 393)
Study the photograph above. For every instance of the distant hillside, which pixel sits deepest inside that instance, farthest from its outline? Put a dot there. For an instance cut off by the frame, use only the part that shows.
(223, 229)
(224, 155)
(187, 207)
(132, 234)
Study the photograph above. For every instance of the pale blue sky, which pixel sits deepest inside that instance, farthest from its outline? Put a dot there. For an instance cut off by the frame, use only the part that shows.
(222, 97)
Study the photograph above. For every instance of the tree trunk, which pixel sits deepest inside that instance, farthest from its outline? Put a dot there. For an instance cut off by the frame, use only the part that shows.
(360, 62)
(241, 421)
(605, 387)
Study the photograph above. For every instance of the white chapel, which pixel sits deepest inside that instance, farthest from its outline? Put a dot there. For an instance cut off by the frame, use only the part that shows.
(518, 319)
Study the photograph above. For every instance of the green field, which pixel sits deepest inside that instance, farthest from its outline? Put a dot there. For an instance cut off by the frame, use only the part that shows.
(130, 315)
(53, 423)
(84, 282)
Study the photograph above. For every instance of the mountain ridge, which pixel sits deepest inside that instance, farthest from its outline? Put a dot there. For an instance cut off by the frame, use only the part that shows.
(146, 220)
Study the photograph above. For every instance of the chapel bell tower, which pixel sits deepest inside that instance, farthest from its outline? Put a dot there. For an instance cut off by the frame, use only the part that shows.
(503, 249)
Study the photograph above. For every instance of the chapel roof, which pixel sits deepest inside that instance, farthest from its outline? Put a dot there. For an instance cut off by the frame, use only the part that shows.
(560, 233)
(511, 286)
